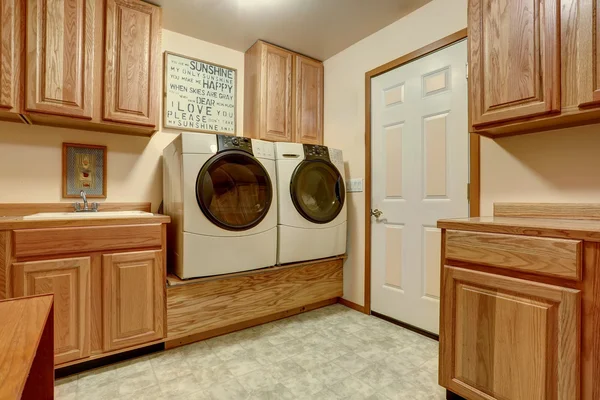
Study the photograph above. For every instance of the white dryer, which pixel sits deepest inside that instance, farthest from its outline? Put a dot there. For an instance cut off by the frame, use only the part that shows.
(220, 192)
(312, 203)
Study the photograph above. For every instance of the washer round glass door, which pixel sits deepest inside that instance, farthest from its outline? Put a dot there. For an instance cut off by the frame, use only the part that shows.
(234, 190)
(318, 191)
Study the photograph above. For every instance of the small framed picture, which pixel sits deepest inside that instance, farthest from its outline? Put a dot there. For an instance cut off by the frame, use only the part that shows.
(84, 168)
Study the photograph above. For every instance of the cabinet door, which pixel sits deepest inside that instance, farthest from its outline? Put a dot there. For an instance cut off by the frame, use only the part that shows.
(131, 62)
(69, 280)
(276, 96)
(134, 293)
(588, 41)
(514, 59)
(11, 42)
(308, 118)
(506, 338)
(60, 57)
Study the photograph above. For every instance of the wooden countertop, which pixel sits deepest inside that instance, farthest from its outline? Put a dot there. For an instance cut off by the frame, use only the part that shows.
(546, 227)
(23, 322)
(18, 222)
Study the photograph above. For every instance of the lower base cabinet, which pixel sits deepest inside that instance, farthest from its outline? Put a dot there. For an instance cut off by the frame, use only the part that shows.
(507, 338)
(69, 280)
(133, 298)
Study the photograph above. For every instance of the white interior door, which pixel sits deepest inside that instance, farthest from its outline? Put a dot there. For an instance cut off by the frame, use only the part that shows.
(420, 159)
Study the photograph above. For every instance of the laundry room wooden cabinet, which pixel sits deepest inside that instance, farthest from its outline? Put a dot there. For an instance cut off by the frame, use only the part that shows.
(108, 278)
(532, 65)
(308, 111)
(93, 65)
(60, 57)
(520, 294)
(12, 38)
(134, 298)
(132, 63)
(70, 281)
(283, 95)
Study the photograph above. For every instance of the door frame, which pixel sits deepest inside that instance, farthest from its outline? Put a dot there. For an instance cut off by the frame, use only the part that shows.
(474, 144)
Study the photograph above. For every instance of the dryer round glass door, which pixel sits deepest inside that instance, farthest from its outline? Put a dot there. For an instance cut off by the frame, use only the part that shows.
(317, 191)
(234, 190)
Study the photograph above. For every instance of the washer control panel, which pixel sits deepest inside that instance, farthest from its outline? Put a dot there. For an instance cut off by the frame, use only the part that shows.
(316, 152)
(226, 142)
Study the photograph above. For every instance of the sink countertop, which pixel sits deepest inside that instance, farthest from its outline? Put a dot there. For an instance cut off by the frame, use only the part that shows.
(14, 222)
(583, 229)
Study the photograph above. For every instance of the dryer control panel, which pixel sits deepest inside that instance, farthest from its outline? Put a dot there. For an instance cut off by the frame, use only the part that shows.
(234, 143)
(316, 152)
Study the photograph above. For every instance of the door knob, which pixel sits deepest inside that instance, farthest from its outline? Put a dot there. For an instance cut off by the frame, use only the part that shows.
(376, 213)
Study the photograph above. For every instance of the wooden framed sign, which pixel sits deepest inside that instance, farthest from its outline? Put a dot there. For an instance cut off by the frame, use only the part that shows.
(199, 96)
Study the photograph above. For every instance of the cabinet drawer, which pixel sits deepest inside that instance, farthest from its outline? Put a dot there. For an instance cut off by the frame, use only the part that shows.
(53, 241)
(536, 255)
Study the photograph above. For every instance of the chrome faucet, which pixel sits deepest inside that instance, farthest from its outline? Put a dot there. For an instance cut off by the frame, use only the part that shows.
(86, 208)
(84, 198)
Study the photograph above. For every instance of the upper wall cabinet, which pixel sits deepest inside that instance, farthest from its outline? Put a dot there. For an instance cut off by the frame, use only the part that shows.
(589, 44)
(532, 65)
(283, 95)
(131, 63)
(308, 118)
(60, 57)
(11, 46)
(90, 64)
(514, 61)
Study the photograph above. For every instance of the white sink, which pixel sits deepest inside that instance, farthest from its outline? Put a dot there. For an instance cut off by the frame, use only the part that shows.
(85, 215)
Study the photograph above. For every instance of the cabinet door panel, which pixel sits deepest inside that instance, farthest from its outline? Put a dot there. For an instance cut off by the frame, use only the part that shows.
(588, 41)
(10, 54)
(505, 338)
(132, 65)
(69, 280)
(276, 96)
(514, 59)
(308, 120)
(133, 290)
(60, 57)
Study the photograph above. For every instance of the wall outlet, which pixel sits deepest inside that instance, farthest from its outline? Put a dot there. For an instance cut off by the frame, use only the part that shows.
(354, 185)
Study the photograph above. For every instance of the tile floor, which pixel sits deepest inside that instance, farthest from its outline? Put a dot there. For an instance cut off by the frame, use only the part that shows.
(329, 353)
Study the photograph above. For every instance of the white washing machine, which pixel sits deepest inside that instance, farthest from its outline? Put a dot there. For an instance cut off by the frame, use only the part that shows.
(220, 192)
(312, 202)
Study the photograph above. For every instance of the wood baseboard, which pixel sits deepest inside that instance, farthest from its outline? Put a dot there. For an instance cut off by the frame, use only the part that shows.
(180, 341)
(352, 305)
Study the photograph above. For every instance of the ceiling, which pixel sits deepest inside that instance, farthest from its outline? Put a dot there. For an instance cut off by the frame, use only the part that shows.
(317, 28)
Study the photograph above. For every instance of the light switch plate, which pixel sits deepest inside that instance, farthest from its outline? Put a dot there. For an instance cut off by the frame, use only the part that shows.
(354, 185)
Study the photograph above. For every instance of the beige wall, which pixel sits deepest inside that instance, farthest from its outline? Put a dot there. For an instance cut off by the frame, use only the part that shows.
(556, 166)
(30, 156)
(345, 105)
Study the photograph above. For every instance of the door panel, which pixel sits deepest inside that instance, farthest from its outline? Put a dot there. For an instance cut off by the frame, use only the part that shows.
(132, 62)
(69, 280)
(276, 97)
(60, 57)
(514, 59)
(133, 290)
(508, 338)
(420, 145)
(308, 120)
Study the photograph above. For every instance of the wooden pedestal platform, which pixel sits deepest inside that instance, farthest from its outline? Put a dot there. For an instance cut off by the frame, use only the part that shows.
(201, 308)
